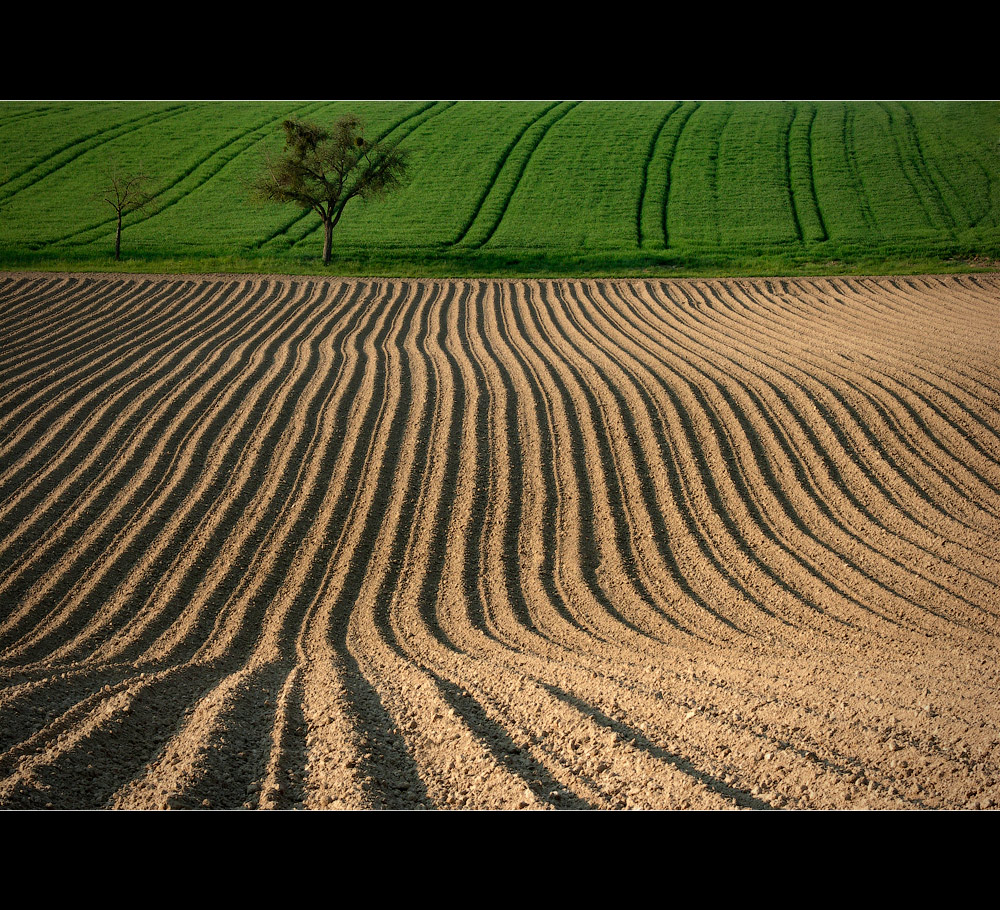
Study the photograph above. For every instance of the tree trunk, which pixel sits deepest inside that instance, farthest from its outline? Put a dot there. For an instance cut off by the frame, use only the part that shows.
(327, 239)
(118, 239)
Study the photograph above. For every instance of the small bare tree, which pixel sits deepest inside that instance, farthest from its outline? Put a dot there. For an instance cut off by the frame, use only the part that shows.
(323, 169)
(125, 191)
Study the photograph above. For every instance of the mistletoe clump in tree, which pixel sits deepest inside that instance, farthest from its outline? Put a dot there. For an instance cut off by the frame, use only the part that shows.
(323, 169)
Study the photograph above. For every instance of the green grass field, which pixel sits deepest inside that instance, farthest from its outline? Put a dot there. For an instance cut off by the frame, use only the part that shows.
(522, 188)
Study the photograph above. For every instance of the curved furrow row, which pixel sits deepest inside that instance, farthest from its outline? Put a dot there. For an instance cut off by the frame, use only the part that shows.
(388, 615)
(238, 691)
(78, 334)
(739, 510)
(46, 498)
(926, 433)
(404, 636)
(357, 745)
(917, 326)
(44, 312)
(711, 519)
(73, 341)
(598, 524)
(628, 461)
(958, 396)
(271, 607)
(566, 560)
(84, 678)
(829, 481)
(926, 444)
(330, 491)
(32, 300)
(789, 491)
(407, 638)
(870, 455)
(126, 439)
(323, 543)
(744, 512)
(485, 700)
(241, 550)
(751, 530)
(675, 499)
(161, 464)
(40, 448)
(359, 624)
(522, 765)
(474, 575)
(897, 560)
(520, 603)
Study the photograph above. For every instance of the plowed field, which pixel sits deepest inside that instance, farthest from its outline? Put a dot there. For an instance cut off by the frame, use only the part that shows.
(279, 543)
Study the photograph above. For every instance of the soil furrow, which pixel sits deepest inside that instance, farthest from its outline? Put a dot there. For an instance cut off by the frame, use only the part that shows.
(282, 543)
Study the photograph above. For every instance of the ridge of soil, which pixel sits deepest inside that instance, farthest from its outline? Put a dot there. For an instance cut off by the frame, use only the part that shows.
(272, 542)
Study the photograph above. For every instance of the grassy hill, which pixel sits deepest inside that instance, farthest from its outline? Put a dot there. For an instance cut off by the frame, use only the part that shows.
(522, 187)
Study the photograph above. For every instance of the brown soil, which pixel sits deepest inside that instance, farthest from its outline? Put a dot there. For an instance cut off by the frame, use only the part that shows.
(281, 543)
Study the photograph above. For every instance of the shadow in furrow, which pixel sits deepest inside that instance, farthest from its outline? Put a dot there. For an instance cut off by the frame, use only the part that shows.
(289, 746)
(24, 713)
(551, 496)
(127, 513)
(115, 751)
(731, 458)
(26, 301)
(680, 498)
(58, 338)
(30, 511)
(877, 442)
(513, 518)
(617, 493)
(508, 754)
(830, 465)
(411, 485)
(242, 763)
(734, 795)
(589, 556)
(430, 590)
(778, 490)
(118, 334)
(267, 523)
(385, 767)
(472, 567)
(174, 503)
(119, 374)
(234, 760)
(290, 754)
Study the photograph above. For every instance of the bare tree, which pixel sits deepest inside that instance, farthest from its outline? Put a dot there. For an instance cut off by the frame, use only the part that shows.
(125, 191)
(323, 169)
